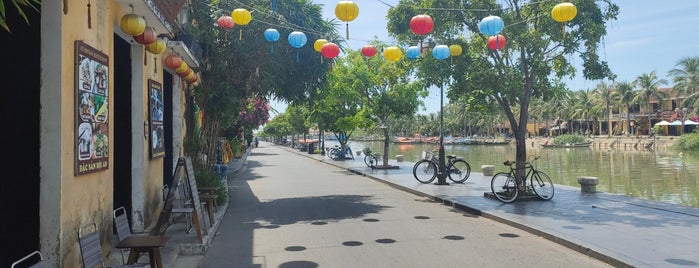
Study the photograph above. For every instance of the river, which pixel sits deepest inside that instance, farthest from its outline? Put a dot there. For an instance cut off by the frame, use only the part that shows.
(661, 175)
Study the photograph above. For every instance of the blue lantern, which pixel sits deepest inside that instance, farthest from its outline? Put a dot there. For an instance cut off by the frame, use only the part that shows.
(271, 35)
(297, 40)
(413, 52)
(491, 25)
(441, 52)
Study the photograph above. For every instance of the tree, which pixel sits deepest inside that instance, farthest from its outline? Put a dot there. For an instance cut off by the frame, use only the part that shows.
(686, 79)
(604, 99)
(624, 94)
(649, 86)
(19, 5)
(535, 57)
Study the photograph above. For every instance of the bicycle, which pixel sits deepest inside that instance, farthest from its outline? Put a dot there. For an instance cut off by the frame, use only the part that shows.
(336, 153)
(370, 159)
(425, 170)
(504, 185)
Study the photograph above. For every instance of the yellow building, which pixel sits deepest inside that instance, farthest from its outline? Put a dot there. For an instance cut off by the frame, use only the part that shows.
(93, 122)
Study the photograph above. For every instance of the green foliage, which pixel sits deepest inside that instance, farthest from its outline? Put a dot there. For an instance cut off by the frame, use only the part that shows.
(569, 138)
(207, 177)
(19, 6)
(688, 142)
(658, 130)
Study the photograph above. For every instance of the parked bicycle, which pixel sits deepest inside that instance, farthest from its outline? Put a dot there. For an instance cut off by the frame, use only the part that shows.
(504, 185)
(425, 170)
(336, 152)
(371, 159)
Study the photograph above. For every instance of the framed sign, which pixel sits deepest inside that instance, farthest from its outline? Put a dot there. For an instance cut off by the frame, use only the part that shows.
(157, 132)
(91, 109)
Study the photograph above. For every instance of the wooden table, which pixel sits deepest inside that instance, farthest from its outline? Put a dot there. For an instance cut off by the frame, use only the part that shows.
(150, 244)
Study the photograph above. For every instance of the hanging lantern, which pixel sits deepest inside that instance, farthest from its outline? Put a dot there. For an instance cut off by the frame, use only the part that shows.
(297, 40)
(157, 47)
(186, 72)
(173, 61)
(189, 76)
(369, 51)
(413, 52)
(421, 24)
(491, 25)
(496, 42)
(193, 77)
(441, 52)
(241, 17)
(132, 24)
(392, 53)
(346, 11)
(183, 68)
(147, 37)
(455, 50)
(271, 35)
(564, 12)
(330, 50)
(318, 44)
(225, 22)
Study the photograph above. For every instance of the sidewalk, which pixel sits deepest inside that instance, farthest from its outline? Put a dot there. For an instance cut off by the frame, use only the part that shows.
(616, 229)
(621, 231)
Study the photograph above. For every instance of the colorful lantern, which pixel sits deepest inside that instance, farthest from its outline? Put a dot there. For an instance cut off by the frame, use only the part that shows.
(183, 68)
(241, 17)
(491, 25)
(225, 22)
(297, 40)
(564, 12)
(193, 77)
(392, 53)
(185, 73)
(455, 50)
(147, 37)
(421, 24)
(330, 50)
(132, 24)
(496, 42)
(441, 52)
(271, 35)
(369, 51)
(157, 47)
(413, 52)
(318, 44)
(346, 11)
(173, 61)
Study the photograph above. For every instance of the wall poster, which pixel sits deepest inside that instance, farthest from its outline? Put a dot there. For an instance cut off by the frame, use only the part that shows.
(91, 109)
(157, 133)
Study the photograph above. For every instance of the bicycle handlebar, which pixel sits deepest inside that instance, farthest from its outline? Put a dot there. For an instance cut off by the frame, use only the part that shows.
(510, 163)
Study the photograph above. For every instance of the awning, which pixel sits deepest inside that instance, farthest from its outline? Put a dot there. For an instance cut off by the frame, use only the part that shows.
(663, 123)
(690, 122)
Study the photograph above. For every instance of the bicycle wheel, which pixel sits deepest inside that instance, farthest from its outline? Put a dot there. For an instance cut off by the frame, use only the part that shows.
(504, 187)
(425, 171)
(334, 153)
(370, 160)
(542, 185)
(459, 171)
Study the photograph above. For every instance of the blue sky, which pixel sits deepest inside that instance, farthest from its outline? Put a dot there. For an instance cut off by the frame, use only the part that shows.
(648, 35)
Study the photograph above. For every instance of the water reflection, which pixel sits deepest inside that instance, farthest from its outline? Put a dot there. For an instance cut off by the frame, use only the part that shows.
(663, 175)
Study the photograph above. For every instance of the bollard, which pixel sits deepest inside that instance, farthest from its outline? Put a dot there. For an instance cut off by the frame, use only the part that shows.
(399, 158)
(488, 170)
(588, 184)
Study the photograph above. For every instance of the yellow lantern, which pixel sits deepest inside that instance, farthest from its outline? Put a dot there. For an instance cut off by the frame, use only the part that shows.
(318, 44)
(190, 76)
(157, 47)
(455, 50)
(564, 12)
(132, 24)
(241, 17)
(347, 11)
(392, 53)
(183, 68)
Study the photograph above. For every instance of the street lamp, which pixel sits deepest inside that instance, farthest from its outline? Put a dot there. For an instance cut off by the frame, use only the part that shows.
(441, 52)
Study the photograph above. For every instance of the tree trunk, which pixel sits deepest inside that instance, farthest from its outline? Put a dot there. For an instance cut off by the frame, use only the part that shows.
(385, 147)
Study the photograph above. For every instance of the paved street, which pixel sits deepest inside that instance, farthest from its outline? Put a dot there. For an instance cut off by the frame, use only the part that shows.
(289, 210)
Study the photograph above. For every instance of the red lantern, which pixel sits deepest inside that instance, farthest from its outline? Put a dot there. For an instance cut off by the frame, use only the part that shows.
(185, 72)
(173, 62)
(330, 50)
(421, 24)
(369, 51)
(147, 37)
(225, 22)
(192, 79)
(496, 42)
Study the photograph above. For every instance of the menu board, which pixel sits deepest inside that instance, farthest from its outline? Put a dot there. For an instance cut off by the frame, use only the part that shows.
(91, 109)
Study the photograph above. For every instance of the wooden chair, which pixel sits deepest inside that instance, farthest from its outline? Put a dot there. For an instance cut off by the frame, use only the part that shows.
(26, 260)
(91, 248)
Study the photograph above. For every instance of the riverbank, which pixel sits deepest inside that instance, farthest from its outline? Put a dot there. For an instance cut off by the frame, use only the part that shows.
(616, 142)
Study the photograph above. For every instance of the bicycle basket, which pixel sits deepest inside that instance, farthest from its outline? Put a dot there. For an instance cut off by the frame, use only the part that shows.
(427, 155)
(366, 151)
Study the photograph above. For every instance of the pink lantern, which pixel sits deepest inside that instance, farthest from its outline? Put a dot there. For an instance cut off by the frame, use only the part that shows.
(147, 37)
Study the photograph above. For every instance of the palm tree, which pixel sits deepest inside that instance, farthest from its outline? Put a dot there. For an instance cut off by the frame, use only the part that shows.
(578, 107)
(649, 86)
(603, 97)
(624, 95)
(686, 79)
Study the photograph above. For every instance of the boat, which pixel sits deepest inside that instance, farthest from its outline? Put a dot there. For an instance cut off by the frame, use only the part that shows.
(567, 145)
(406, 140)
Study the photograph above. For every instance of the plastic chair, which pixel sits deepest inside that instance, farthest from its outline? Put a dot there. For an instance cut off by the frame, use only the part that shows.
(32, 256)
